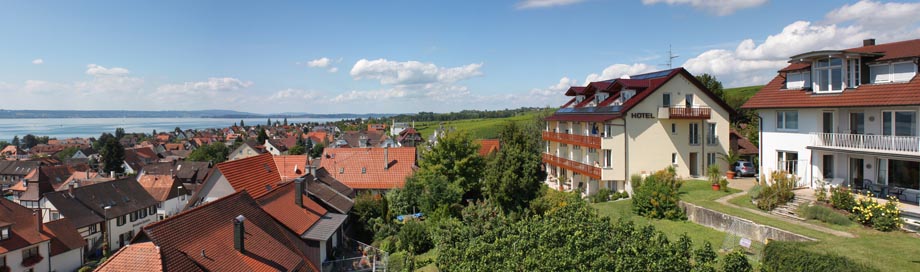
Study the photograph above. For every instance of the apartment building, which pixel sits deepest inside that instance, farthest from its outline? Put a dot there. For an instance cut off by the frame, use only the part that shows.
(610, 130)
(847, 117)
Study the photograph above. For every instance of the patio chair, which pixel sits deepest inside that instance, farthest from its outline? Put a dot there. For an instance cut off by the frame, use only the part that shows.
(834, 182)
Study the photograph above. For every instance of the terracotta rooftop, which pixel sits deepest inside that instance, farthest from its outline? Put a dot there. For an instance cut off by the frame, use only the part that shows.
(160, 187)
(23, 226)
(64, 236)
(251, 174)
(488, 146)
(366, 168)
(279, 203)
(186, 246)
(85, 205)
(134, 257)
(291, 166)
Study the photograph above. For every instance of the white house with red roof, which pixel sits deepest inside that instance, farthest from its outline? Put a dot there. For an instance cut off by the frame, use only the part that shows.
(612, 129)
(846, 117)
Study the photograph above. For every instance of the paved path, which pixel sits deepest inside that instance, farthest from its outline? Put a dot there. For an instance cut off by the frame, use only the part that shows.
(745, 184)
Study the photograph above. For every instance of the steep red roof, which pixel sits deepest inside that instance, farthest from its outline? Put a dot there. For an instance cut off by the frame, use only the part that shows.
(279, 203)
(895, 50)
(774, 96)
(795, 66)
(364, 168)
(187, 246)
(291, 166)
(23, 226)
(134, 257)
(160, 187)
(64, 236)
(573, 91)
(251, 174)
(488, 146)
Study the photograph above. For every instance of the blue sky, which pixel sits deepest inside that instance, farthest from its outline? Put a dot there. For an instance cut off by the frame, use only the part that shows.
(400, 56)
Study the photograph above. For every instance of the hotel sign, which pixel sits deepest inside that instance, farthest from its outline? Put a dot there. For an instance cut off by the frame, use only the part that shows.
(642, 115)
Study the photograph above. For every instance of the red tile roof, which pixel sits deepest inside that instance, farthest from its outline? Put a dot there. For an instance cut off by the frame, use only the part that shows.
(796, 66)
(64, 236)
(187, 246)
(895, 50)
(23, 226)
(896, 94)
(279, 203)
(160, 187)
(251, 174)
(573, 91)
(134, 257)
(291, 166)
(364, 168)
(488, 146)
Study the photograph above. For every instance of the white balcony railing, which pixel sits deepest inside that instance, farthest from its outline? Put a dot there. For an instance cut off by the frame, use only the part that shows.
(908, 144)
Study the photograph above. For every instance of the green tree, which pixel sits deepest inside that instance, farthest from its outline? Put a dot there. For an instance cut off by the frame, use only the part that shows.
(119, 133)
(113, 155)
(101, 141)
(242, 124)
(297, 150)
(29, 141)
(711, 83)
(215, 153)
(262, 136)
(367, 206)
(317, 150)
(456, 157)
(308, 145)
(67, 153)
(513, 176)
(285, 121)
(16, 141)
(269, 123)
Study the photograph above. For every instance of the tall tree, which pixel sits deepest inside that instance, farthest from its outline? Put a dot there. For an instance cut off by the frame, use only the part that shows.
(456, 157)
(297, 150)
(308, 145)
(513, 177)
(16, 141)
(215, 153)
(317, 150)
(113, 155)
(285, 121)
(119, 133)
(711, 83)
(269, 123)
(262, 136)
(29, 141)
(100, 143)
(242, 124)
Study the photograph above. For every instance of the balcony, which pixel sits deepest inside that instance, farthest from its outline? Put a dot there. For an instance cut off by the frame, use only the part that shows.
(572, 139)
(680, 112)
(905, 145)
(577, 167)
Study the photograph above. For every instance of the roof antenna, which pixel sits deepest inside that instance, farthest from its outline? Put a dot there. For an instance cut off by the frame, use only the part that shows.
(671, 58)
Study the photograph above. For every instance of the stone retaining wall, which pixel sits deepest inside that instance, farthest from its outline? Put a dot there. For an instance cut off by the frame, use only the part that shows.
(742, 227)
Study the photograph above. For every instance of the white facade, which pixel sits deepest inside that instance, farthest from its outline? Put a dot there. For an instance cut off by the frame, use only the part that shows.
(171, 206)
(14, 257)
(68, 261)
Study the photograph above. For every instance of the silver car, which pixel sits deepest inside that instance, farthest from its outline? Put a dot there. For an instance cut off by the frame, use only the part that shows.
(744, 169)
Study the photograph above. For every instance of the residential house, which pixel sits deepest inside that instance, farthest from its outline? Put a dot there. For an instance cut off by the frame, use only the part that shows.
(318, 137)
(136, 158)
(612, 129)
(361, 139)
(86, 153)
(257, 175)
(23, 246)
(12, 172)
(187, 172)
(743, 147)
(29, 191)
(275, 147)
(409, 138)
(846, 117)
(371, 168)
(246, 150)
(109, 212)
(239, 235)
(12, 152)
(377, 127)
(291, 166)
(397, 128)
(66, 245)
(168, 191)
(329, 192)
(488, 146)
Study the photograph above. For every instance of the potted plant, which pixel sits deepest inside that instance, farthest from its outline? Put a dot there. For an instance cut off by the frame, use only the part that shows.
(715, 174)
(731, 158)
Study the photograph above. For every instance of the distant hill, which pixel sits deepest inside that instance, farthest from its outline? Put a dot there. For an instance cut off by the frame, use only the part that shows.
(735, 97)
(12, 114)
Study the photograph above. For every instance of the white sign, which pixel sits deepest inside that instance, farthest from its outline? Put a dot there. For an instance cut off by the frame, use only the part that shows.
(745, 242)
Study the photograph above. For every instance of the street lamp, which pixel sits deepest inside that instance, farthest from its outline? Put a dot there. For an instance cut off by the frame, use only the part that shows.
(179, 195)
(105, 230)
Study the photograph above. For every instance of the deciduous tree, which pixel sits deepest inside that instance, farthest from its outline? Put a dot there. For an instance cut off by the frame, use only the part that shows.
(215, 153)
(113, 155)
(513, 177)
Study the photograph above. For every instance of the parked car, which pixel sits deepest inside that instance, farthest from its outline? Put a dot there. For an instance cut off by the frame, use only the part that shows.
(744, 169)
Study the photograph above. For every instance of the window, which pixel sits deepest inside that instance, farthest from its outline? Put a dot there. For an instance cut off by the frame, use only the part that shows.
(688, 102)
(892, 72)
(608, 158)
(666, 99)
(899, 123)
(673, 129)
(787, 161)
(29, 253)
(341, 170)
(120, 221)
(674, 158)
(828, 75)
(828, 165)
(29, 204)
(93, 228)
(853, 78)
(710, 158)
(133, 216)
(797, 80)
(694, 134)
(4, 233)
(711, 138)
(363, 170)
(903, 174)
(857, 123)
(787, 120)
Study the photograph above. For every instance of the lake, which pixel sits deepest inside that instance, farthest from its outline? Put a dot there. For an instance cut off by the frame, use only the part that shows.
(62, 128)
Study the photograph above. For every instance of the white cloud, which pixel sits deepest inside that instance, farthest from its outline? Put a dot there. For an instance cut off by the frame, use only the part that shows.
(370, 96)
(619, 70)
(294, 94)
(319, 63)
(212, 85)
(97, 70)
(44, 87)
(718, 7)
(555, 90)
(412, 72)
(876, 14)
(528, 4)
(333, 69)
(38, 61)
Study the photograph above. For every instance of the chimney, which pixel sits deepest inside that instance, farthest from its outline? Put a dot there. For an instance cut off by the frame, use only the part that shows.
(38, 219)
(386, 160)
(298, 193)
(239, 233)
(868, 42)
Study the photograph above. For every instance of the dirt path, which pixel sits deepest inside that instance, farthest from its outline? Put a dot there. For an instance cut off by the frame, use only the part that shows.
(724, 201)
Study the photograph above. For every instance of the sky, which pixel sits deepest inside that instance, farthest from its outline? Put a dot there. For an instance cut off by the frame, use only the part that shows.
(401, 56)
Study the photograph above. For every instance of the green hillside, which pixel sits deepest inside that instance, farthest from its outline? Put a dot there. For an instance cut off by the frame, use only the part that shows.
(735, 97)
(477, 128)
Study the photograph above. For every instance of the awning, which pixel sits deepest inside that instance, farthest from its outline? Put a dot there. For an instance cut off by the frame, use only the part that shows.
(904, 156)
(582, 117)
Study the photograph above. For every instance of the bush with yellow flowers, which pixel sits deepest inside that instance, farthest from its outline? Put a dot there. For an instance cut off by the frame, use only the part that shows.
(882, 217)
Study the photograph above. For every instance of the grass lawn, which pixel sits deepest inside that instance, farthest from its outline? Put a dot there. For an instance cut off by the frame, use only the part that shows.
(477, 128)
(888, 251)
(735, 97)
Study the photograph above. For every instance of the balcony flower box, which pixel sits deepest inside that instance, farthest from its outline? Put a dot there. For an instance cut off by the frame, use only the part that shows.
(28, 262)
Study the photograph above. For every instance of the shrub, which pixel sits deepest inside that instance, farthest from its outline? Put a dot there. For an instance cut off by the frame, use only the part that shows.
(841, 198)
(755, 191)
(723, 183)
(821, 193)
(824, 214)
(658, 196)
(602, 195)
(778, 193)
(882, 217)
(714, 174)
(705, 258)
(735, 261)
(789, 256)
(414, 238)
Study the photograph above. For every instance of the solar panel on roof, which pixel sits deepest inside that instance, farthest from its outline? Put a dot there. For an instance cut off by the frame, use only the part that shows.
(652, 75)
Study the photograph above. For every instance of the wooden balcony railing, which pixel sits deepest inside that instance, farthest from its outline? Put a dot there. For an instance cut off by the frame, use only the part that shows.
(580, 140)
(904, 144)
(689, 113)
(577, 167)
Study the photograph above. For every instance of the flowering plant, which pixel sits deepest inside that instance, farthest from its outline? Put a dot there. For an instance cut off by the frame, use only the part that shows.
(882, 217)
